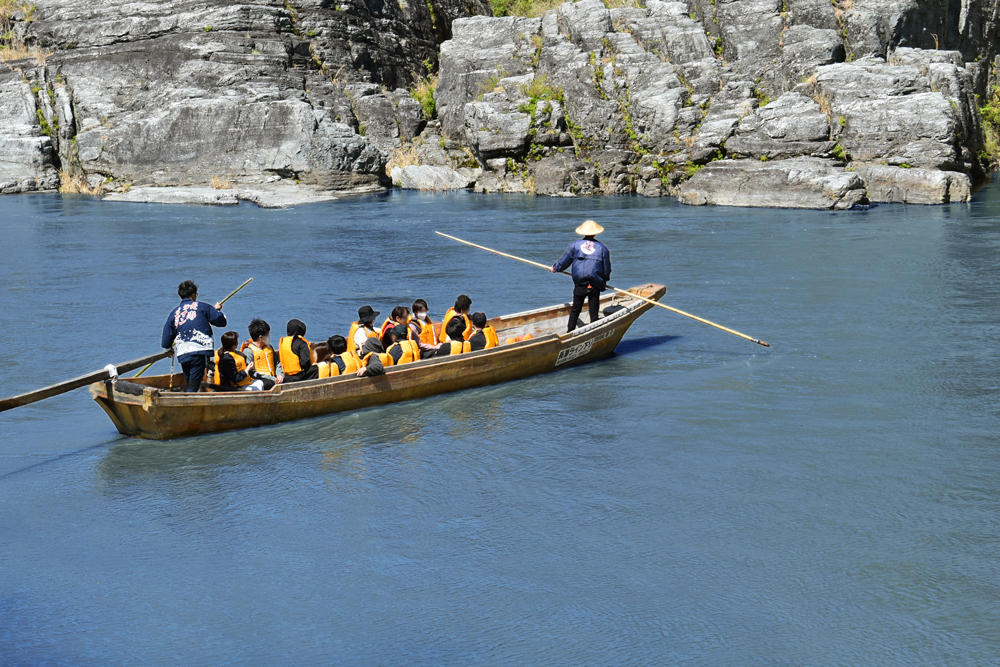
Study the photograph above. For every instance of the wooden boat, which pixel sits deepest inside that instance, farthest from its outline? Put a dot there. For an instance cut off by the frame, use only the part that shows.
(143, 407)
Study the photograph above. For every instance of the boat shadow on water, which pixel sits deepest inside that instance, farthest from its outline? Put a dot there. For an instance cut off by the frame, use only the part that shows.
(634, 345)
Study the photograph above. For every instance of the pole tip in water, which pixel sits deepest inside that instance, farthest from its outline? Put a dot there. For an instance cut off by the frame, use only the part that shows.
(764, 343)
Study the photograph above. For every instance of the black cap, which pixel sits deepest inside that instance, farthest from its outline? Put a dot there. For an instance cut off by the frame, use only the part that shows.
(366, 314)
(400, 331)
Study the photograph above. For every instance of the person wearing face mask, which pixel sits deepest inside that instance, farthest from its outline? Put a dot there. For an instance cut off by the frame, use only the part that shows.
(422, 328)
(259, 354)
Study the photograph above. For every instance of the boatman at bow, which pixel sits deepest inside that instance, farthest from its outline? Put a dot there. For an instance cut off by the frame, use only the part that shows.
(189, 330)
(591, 271)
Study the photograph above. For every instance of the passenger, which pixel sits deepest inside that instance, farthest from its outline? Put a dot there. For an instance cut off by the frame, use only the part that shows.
(344, 362)
(261, 362)
(455, 345)
(401, 348)
(231, 366)
(295, 354)
(400, 315)
(462, 305)
(362, 330)
(483, 336)
(322, 358)
(422, 325)
(188, 334)
(374, 358)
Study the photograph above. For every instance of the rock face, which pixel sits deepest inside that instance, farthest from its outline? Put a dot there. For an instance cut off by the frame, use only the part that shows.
(794, 183)
(178, 93)
(731, 102)
(644, 96)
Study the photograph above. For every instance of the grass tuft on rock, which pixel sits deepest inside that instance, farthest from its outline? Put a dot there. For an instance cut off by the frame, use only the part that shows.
(12, 46)
(990, 113)
(423, 92)
(404, 156)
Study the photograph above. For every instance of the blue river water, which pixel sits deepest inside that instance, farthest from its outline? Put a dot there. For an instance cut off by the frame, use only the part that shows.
(695, 499)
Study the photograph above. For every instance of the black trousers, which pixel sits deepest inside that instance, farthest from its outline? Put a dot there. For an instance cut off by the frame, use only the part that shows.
(593, 296)
(310, 373)
(194, 368)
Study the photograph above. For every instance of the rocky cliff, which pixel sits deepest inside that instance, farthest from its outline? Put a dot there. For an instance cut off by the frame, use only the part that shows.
(802, 103)
(190, 92)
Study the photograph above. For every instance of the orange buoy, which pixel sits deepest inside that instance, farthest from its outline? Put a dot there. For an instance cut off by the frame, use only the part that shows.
(509, 341)
(527, 336)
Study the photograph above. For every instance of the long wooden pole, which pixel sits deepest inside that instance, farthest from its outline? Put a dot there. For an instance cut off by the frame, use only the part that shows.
(620, 291)
(76, 383)
(96, 376)
(146, 367)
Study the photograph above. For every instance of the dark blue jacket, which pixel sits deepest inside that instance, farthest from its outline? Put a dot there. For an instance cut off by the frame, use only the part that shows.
(591, 263)
(190, 327)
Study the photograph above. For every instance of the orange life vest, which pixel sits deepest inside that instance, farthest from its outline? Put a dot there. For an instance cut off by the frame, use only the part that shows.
(411, 351)
(384, 357)
(354, 329)
(492, 340)
(426, 335)
(241, 365)
(289, 360)
(459, 347)
(263, 358)
(443, 336)
(351, 364)
(327, 369)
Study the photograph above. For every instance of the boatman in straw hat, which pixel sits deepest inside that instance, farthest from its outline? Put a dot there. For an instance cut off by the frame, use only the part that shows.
(591, 270)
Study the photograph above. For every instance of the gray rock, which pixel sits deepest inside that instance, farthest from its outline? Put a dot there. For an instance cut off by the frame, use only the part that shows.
(426, 177)
(480, 48)
(796, 183)
(914, 186)
(278, 196)
(177, 195)
(561, 175)
(26, 156)
(792, 125)
(804, 49)
(892, 113)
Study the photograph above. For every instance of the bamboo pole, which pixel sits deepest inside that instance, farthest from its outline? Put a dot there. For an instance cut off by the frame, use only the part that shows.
(631, 294)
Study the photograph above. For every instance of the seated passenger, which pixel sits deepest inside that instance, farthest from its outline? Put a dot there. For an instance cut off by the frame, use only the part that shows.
(231, 367)
(400, 315)
(462, 305)
(455, 345)
(483, 336)
(400, 347)
(295, 354)
(374, 358)
(422, 328)
(259, 355)
(362, 330)
(344, 362)
(322, 358)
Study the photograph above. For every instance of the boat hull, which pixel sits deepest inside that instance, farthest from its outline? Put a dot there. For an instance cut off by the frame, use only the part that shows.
(141, 408)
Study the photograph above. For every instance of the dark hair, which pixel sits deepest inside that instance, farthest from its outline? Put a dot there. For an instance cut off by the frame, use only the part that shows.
(322, 351)
(399, 311)
(258, 328)
(229, 340)
(389, 337)
(338, 344)
(463, 302)
(419, 303)
(455, 329)
(187, 289)
(478, 320)
(295, 328)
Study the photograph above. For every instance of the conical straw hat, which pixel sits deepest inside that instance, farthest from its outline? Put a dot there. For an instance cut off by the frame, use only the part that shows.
(589, 228)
